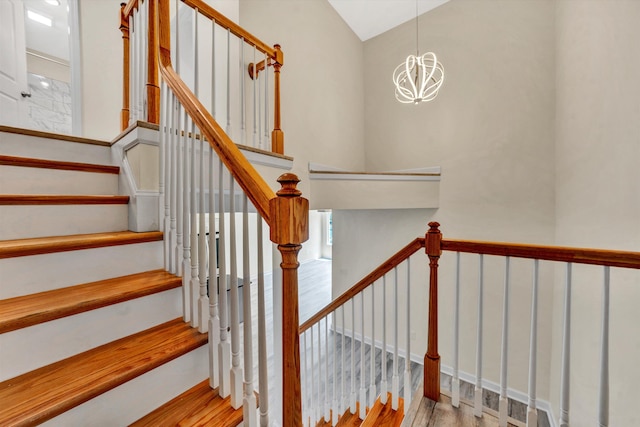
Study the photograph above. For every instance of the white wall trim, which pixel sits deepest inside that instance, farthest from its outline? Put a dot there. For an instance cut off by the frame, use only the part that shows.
(75, 50)
(361, 176)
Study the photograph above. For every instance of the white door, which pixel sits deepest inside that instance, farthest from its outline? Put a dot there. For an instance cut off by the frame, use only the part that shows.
(13, 64)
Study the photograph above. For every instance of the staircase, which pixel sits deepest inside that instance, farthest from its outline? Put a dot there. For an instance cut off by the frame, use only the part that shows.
(90, 323)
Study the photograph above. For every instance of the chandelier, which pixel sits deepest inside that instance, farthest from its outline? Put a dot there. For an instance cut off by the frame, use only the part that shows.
(419, 77)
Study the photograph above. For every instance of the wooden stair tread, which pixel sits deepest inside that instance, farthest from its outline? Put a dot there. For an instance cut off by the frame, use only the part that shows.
(40, 395)
(57, 164)
(381, 415)
(61, 199)
(29, 310)
(201, 405)
(42, 245)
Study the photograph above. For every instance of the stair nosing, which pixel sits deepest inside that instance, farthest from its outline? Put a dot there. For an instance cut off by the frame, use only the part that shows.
(69, 377)
(60, 199)
(51, 135)
(58, 165)
(28, 310)
(44, 245)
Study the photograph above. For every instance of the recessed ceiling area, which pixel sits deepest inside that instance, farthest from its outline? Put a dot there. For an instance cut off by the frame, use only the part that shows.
(368, 18)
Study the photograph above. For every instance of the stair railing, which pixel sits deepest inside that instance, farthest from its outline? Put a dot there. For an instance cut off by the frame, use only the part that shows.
(338, 375)
(570, 261)
(213, 203)
(140, 83)
(235, 74)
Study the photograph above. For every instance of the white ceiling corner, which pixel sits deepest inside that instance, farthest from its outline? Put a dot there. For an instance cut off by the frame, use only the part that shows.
(369, 18)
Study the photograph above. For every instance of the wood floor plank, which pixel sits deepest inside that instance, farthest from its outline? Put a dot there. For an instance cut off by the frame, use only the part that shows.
(55, 199)
(42, 394)
(57, 164)
(51, 135)
(42, 245)
(29, 310)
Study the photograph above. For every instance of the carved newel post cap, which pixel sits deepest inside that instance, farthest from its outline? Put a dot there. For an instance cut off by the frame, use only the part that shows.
(289, 213)
(289, 183)
(433, 239)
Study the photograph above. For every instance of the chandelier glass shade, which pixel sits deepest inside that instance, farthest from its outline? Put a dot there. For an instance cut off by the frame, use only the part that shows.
(418, 79)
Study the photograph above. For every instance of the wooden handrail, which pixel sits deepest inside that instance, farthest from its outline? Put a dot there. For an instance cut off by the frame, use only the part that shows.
(245, 174)
(235, 29)
(129, 8)
(602, 257)
(369, 279)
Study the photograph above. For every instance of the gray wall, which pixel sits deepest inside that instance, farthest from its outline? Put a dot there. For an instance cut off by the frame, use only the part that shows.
(492, 130)
(598, 191)
(322, 85)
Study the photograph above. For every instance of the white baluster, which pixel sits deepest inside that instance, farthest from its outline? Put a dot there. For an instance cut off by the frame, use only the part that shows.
(225, 345)
(477, 407)
(236, 369)
(532, 412)
(407, 358)
(255, 100)
(455, 380)
(161, 154)
(213, 68)
(363, 389)
(395, 380)
(343, 372)
(228, 129)
(372, 362)
(135, 60)
(203, 301)
(319, 405)
(313, 408)
(352, 403)
(504, 403)
(327, 398)
(180, 214)
(144, 18)
(306, 418)
(383, 356)
(335, 405)
(132, 71)
(262, 335)
(243, 133)
(186, 185)
(603, 412)
(566, 353)
(173, 223)
(167, 149)
(267, 140)
(193, 219)
(249, 400)
(214, 316)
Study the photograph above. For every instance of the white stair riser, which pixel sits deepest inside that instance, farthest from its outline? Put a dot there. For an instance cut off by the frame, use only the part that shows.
(131, 401)
(52, 149)
(30, 348)
(38, 273)
(26, 180)
(26, 221)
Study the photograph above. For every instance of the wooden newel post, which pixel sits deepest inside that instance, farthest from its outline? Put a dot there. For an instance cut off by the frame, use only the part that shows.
(153, 86)
(277, 136)
(432, 358)
(289, 213)
(124, 27)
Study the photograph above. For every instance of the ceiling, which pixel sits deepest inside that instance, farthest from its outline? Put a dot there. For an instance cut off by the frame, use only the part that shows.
(368, 18)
